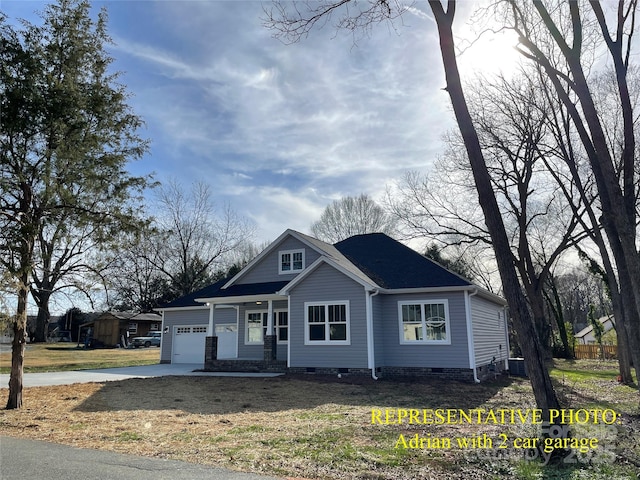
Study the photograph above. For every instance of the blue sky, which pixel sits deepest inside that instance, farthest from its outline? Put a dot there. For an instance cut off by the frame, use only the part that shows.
(279, 131)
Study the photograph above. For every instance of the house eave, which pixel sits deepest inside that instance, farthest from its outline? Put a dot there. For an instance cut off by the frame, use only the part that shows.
(218, 301)
(190, 307)
(460, 288)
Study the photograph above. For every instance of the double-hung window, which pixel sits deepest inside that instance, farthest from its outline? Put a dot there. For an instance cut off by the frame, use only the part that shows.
(424, 321)
(327, 323)
(256, 325)
(281, 325)
(291, 261)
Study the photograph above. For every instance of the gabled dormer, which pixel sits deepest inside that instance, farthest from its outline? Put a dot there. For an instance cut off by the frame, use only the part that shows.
(291, 261)
(289, 255)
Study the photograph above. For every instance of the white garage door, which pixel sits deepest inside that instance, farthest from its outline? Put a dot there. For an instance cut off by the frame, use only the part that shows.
(188, 343)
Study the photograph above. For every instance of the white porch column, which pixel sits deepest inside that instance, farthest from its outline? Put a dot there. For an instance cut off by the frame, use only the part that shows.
(270, 317)
(211, 308)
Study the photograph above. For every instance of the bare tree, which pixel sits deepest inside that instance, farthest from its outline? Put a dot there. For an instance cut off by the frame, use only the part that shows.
(554, 36)
(441, 207)
(351, 216)
(510, 119)
(130, 276)
(195, 240)
(296, 24)
(567, 162)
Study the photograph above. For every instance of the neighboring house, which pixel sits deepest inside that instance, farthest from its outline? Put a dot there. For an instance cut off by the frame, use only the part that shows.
(117, 328)
(586, 337)
(366, 305)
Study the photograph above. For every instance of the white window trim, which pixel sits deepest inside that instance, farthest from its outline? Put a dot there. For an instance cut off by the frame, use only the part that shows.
(246, 326)
(263, 312)
(422, 303)
(327, 341)
(277, 327)
(291, 252)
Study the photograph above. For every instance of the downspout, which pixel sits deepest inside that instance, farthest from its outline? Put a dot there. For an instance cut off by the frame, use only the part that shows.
(505, 319)
(472, 353)
(371, 360)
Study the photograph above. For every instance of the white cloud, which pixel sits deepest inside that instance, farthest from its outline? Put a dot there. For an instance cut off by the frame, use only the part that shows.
(228, 102)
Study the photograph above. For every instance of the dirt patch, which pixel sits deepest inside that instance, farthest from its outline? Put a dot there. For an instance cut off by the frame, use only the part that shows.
(307, 427)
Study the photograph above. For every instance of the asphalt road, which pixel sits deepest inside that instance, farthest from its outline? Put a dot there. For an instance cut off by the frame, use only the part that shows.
(27, 459)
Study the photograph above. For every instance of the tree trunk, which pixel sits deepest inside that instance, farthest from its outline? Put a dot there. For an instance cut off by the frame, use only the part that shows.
(555, 307)
(624, 356)
(18, 346)
(42, 321)
(543, 327)
(625, 329)
(527, 335)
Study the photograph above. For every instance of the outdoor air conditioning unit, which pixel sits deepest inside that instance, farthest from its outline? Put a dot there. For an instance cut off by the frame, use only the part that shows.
(517, 367)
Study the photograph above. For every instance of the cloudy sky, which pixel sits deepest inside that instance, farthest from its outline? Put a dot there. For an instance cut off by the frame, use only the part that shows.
(279, 131)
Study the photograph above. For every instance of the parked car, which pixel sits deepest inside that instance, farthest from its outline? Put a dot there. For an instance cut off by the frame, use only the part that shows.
(152, 338)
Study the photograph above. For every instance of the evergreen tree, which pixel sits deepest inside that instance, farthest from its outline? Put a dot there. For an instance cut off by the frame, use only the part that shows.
(66, 136)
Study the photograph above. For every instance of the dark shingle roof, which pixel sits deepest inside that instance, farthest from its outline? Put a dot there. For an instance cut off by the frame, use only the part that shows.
(190, 300)
(216, 291)
(266, 288)
(393, 265)
(387, 262)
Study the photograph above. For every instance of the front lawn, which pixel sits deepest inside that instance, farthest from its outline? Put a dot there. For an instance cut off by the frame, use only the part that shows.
(54, 357)
(321, 427)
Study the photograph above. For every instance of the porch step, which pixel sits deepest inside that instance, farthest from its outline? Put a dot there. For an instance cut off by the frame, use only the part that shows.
(245, 366)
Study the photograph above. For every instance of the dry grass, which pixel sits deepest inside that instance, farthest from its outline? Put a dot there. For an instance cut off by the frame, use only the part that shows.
(310, 427)
(50, 357)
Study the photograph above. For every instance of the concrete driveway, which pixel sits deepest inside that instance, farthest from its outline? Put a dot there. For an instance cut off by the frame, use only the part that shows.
(112, 374)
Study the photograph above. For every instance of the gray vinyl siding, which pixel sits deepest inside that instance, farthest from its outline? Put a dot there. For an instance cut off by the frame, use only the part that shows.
(326, 284)
(180, 317)
(266, 270)
(224, 316)
(455, 355)
(256, 351)
(489, 337)
(378, 330)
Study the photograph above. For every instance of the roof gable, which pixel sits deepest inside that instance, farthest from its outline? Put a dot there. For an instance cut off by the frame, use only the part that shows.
(342, 265)
(392, 265)
(321, 247)
(273, 246)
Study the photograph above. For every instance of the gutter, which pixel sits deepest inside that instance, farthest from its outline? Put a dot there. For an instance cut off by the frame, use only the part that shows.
(371, 360)
(472, 353)
(463, 288)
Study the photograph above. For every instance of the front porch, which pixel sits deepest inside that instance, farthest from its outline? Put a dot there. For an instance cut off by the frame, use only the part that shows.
(248, 329)
(269, 363)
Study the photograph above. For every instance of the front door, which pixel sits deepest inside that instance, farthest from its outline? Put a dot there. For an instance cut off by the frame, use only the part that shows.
(227, 340)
